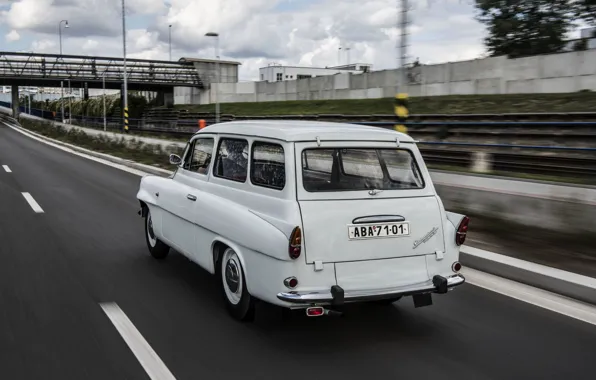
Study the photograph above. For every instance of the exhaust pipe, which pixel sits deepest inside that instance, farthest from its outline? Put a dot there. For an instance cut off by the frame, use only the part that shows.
(319, 311)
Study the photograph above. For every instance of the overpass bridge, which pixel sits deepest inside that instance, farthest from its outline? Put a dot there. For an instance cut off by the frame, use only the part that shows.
(50, 70)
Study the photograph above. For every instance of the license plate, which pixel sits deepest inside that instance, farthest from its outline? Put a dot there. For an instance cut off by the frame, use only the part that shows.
(375, 231)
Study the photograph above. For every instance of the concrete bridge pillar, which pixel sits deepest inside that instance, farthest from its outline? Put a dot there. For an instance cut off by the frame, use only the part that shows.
(165, 98)
(15, 101)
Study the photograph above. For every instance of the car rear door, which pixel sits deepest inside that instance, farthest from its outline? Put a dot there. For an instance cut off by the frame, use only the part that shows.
(366, 201)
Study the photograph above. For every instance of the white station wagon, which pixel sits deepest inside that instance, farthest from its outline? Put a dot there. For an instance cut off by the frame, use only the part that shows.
(306, 215)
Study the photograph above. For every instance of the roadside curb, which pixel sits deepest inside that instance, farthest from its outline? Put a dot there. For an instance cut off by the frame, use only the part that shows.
(116, 160)
(572, 285)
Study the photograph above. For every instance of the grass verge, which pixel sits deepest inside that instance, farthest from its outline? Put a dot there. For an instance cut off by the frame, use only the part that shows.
(452, 104)
(135, 150)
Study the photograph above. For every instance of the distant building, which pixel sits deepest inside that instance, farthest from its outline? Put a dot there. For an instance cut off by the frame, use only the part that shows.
(206, 68)
(279, 73)
(42, 93)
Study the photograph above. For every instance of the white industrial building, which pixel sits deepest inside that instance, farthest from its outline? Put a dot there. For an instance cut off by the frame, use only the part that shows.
(279, 73)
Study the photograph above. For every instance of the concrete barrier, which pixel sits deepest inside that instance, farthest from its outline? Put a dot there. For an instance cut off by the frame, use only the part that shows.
(565, 283)
(552, 206)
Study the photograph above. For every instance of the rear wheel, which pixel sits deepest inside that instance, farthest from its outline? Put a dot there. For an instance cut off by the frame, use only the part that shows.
(239, 302)
(157, 248)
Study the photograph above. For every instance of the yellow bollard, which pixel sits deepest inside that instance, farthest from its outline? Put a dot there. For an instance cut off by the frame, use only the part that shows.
(126, 119)
(401, 112)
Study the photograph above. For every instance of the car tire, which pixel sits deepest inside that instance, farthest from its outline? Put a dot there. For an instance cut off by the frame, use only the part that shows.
(239, 303)
(157, 248)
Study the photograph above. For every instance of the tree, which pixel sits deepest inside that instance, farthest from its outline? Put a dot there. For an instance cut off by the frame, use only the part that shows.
(585, 10)
(581, 44)
(520, 28)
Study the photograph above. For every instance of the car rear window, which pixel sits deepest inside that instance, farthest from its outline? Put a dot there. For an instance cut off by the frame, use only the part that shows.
(350, 169)
(268, 166)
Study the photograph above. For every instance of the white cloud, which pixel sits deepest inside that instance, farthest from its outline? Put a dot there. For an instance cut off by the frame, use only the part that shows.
(13, 36)
(254, 32)
(90, 45)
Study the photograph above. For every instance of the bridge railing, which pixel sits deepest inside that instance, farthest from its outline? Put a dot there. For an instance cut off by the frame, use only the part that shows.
(31, 66)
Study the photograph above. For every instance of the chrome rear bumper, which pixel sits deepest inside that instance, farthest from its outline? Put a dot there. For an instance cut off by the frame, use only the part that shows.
(337, 296)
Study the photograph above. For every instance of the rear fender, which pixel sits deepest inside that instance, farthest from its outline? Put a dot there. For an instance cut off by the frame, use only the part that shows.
(236, 248)
(454, 218)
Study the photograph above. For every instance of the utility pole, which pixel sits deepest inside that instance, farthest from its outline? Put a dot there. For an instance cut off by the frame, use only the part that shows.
(217, 74)
(403, 49)
(125, 85)
(170, 39)
(401, 97)
(61, 82)
(105, 122)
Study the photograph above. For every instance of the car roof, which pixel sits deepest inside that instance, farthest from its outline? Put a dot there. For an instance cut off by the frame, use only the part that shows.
(301, 130)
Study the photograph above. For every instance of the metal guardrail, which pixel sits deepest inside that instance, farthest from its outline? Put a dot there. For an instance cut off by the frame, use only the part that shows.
(561, 116)
(436, 153)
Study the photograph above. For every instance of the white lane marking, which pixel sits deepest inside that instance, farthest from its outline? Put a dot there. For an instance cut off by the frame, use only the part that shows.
(153, 365)
(538, 297)
(34, 205)
(532, 267)
(6, 168)
(124, 168)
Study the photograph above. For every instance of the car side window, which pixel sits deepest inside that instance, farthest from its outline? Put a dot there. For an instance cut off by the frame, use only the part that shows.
(268, 165)
(199, 156)
(231, 161)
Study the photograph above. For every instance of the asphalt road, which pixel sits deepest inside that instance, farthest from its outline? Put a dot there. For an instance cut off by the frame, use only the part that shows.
(88, 247)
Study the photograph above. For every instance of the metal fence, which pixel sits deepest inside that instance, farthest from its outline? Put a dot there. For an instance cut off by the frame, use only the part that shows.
(558, 160)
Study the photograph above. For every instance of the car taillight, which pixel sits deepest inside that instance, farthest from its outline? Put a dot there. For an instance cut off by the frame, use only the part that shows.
(295, 246)
(462, 230)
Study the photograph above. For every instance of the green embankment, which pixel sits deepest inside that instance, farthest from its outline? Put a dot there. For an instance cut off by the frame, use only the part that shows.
(454, 104)
(134, 150)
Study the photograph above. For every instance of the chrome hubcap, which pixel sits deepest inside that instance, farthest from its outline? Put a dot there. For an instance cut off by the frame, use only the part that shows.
(231, 273)
(232, 276)
(152, 238)
(151, 233)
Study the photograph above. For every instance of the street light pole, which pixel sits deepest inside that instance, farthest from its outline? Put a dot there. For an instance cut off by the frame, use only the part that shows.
(170, 40)
(105, 123)
(60, 32)
(61, 82)
(125, 85)
(69, 103)
(217, 74)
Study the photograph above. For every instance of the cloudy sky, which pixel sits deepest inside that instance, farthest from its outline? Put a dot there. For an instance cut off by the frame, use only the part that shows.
(254, 32)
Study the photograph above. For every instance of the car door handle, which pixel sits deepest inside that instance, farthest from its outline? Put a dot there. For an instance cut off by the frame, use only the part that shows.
(191, 197)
